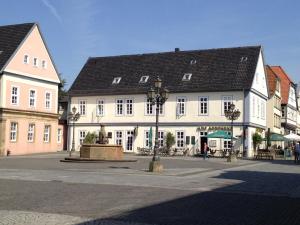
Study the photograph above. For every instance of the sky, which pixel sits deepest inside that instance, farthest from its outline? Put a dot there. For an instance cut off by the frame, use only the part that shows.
(77, 29)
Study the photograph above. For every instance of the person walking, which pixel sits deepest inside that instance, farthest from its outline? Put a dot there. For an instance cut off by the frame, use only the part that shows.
(297, 152)
(205, 152)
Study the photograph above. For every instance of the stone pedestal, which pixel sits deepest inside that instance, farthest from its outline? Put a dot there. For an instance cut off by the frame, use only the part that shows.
(232, 158)
(155, 166)
(101, 151)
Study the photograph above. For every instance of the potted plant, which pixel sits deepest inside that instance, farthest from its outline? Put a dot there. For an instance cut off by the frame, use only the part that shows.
(170, 141)
(257, 140)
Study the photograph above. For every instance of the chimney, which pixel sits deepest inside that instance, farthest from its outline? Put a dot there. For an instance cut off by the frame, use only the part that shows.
(177, 49)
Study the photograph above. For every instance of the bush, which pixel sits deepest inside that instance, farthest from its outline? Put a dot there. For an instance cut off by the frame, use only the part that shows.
(257, 139)
(90, 138)
(170, 140)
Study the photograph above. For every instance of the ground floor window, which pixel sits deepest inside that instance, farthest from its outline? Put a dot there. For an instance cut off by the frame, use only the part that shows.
(147, 139)
(129, 141)
(180, 142)
(47, 133)
(13, 131)
(227, 145)
(82, 134)
(30, 135)
(119, 138)
(160, 139)
(59, 134)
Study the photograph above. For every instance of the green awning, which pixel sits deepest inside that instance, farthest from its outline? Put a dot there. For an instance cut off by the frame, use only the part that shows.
(276, 137)
(219, 134)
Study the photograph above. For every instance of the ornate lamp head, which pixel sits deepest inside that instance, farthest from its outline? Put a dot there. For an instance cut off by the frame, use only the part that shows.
(158, 82)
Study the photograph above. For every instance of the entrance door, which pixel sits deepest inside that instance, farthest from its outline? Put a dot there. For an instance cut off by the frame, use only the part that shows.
(203, 140)
(129, 141)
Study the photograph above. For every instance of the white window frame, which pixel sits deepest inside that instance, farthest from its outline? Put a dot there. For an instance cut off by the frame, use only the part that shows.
(146, 138)
(120, 109)
(82, 106)
(47, 133)
(17, 95)
(187, 77)
(227, 100)
(100, 107)
(144, 79)
(129, 103)
(180, 140)
(118, 137)
(44, 64)
(116, 80)
(126, 140)
(181, 106)
(203, 102)
(227, 144)
(34, 98)
(82, 134)
(149, 108)
(26, 59)
(48, 106)
(35, 62)
(31, 132)
(263, 109)
(59, 135)
(13, 131)
(161, 138)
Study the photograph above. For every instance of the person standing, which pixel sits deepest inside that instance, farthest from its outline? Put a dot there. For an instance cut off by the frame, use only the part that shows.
(297, 152)
(205, 151)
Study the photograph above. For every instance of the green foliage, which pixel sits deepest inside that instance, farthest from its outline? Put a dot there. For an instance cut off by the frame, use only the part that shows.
(61, 90)
(257, 139)
(170, 140)
(90, 138)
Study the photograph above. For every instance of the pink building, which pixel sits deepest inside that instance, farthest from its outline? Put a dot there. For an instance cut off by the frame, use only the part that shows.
(28, 93)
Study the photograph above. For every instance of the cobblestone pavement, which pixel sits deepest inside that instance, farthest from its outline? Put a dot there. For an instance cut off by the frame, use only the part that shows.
(39, 189)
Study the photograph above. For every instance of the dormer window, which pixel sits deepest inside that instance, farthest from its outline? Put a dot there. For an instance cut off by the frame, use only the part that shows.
(116, 80)
(187, 77)
(193, 61)
(144, 79)
(26, 59)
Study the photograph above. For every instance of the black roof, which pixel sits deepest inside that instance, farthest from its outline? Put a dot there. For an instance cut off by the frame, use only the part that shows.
(223, 69)
(11, 37)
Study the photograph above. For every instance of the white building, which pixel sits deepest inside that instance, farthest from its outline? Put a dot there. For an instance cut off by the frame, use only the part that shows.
(111, 91)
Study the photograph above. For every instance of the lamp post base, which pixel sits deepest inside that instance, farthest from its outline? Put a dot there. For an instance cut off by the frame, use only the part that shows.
(156, 166)
(232, 158)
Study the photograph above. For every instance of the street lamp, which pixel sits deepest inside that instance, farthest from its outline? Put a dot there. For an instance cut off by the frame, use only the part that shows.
(73, 117)
(232, 114)
(157, 96)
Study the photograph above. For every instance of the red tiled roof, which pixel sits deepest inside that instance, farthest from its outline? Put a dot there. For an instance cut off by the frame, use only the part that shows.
(272, 78)
(284, 84)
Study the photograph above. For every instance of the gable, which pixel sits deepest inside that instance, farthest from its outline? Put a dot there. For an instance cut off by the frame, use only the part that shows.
(259, 82)
(33, 46)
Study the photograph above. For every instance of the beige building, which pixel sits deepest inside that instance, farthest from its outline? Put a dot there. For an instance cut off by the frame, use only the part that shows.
(111, 91)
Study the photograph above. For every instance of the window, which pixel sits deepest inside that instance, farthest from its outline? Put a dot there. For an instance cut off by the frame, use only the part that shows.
(82, 134)
(227, 145)
(253, 106)
(277, 122)
(32, 98)
(160, 139)
(129, 141)
(292, 96)
(44, 64)
(193, 61)
(150, 109)
(147, 139)
(258, 108)
(227, 101)
(35, 62)
(14, 95)
(59, 135)
(26, 59)
(144, 79)
(30, 135)
(13, 131)
(187, 77)
(47, 133)
(82, 107)
(100, 108)
(181, 106)
(277, 102)
(263, 109)
(180, 139)
(129, 107)
(116, 80)
(277, 86)
(282, 112)
(48, 100)
(119, 138)
(120, 110)
(203, 104)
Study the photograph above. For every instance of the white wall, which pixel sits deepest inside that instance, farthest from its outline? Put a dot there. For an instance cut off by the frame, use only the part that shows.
(260, 81)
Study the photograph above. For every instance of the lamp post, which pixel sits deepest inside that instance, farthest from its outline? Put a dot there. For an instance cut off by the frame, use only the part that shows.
(73, 117)
(158, 97)
(232, 114)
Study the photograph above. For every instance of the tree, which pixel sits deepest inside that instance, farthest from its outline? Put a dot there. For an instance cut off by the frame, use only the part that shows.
(61, 90)
(170, 140)
(257, 140)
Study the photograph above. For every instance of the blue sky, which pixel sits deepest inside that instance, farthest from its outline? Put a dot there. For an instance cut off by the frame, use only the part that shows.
(77, 29)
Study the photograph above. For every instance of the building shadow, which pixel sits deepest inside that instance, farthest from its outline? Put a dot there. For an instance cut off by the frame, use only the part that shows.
(260, 198)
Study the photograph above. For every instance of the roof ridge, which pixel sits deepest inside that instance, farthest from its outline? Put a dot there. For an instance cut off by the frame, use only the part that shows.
(170, 52)
(283, 72)
(18, 24)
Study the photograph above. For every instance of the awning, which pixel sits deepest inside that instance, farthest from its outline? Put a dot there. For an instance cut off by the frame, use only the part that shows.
(220, 134)
(292, 137)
